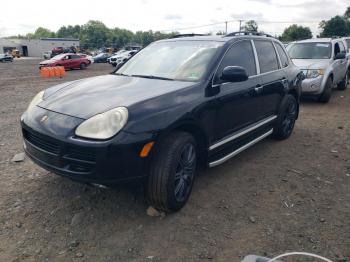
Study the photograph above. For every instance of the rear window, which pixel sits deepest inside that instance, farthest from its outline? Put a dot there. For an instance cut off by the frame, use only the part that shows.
(267, 56)
(283, 56)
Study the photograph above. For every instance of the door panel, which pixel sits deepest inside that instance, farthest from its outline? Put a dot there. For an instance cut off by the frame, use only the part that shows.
(238, 106)
(274, 85)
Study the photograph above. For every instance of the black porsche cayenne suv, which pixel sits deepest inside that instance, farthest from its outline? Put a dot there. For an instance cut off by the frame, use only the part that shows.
(177, 104)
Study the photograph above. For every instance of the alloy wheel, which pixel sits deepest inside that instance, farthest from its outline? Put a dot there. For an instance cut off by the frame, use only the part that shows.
(185, 172)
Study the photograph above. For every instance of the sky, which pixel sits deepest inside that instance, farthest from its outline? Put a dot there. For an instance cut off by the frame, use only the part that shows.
(272, 15)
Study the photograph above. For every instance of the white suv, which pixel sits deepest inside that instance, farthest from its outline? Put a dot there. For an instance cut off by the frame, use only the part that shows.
(324, 63)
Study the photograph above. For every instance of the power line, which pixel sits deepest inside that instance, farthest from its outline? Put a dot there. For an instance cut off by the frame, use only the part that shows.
(240, 22)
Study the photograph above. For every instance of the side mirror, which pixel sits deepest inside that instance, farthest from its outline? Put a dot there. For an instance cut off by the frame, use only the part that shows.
(340, 56)
(234, 74)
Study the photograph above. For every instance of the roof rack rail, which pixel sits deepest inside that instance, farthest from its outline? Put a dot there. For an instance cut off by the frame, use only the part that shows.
(336, 36)
(247, 33)
(186, 35)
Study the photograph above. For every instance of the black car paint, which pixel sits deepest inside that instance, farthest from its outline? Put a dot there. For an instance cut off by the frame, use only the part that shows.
(156, 108)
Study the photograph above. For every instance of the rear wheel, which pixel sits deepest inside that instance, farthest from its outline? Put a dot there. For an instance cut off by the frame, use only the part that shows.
(344, 83)
(327, 92)
(286, 118)
(172, 172)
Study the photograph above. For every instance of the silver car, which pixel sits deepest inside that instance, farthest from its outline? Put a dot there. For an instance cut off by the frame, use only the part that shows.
(324, 62)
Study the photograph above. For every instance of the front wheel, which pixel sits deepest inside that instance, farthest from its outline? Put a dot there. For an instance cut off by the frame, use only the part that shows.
(286, 118)
(172, 172)
(344, 83)
(327, 92)
(82, 66)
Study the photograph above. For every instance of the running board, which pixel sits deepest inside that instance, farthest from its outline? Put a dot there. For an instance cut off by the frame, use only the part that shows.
(239, 150)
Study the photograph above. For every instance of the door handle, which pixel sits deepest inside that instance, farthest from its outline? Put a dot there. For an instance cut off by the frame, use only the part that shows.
(258, 89)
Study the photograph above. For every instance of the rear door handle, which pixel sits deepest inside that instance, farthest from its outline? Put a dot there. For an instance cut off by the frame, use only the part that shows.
(258, 89)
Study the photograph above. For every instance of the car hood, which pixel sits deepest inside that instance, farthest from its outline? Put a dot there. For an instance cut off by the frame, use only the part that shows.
(88, 97)
(311, 63)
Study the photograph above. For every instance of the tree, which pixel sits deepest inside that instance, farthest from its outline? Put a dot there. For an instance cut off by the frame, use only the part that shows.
(347, 13)
(251, 26)
(336, 26)
(295, 32)
(42, 32)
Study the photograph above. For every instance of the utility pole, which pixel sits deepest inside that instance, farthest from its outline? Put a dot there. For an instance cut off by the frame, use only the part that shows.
(226, 28)
(240, 24)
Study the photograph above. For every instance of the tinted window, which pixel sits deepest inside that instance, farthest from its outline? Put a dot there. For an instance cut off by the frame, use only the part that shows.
(75, 57)
(282, 55)
(267, 56)
(342, 48)
(240, 54)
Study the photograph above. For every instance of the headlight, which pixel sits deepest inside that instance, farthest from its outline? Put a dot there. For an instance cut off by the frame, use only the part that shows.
(105, 125)
(36, 100)
(312, 73)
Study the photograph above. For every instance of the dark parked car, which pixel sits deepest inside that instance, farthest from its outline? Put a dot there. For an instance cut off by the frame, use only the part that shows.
(176, 104)
(101, 58)
(6, 58)
(69, 61)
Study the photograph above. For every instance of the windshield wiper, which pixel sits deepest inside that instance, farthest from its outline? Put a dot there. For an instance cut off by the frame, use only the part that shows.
(119, 74)
(153, 77)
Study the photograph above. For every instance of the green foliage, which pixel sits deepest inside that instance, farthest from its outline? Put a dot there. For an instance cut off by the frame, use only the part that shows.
(95, 34)
(347, 13)
(336, 26)
(295, 32)
(251, 26)
(42, 32)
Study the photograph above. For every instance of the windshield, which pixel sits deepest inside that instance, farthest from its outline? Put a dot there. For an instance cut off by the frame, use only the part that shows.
(310, 50)
(58, 57)
(177, 60)
(347, 43)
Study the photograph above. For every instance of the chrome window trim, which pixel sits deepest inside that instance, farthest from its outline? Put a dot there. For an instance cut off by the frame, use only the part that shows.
(256, 58)
(239, 150)
(243, 132)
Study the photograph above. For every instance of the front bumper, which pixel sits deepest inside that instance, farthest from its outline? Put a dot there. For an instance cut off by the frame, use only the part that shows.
(53, 146)
(312, 86)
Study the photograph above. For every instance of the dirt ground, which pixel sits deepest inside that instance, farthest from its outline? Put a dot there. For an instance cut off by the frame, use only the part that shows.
(275, 197)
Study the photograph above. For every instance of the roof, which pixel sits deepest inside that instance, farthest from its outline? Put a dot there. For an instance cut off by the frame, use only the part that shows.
(217, 38)
(317, 40)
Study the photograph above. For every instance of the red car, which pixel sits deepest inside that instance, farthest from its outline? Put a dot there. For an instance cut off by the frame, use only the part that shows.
(69, 61)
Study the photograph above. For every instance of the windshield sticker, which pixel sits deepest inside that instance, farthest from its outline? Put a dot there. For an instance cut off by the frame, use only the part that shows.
(322, 45)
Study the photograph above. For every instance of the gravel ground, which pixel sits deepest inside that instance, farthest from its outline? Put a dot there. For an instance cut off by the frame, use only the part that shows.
(275, 197)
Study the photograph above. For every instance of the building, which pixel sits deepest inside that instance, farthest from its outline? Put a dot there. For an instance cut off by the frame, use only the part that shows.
(36, 47)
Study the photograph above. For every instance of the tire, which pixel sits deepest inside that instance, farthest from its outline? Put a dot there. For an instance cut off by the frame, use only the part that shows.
(82, 66)
(344, 83)
(327, 92)
(172, 172)
(287, 115)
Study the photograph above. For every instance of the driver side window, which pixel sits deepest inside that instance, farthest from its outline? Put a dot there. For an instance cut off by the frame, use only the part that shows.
(239, 54)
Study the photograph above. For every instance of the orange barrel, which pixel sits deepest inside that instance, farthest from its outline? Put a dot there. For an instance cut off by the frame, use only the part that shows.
(45, 72)
(51, 72)
(42, 72)
(62, 70)
(56, 71)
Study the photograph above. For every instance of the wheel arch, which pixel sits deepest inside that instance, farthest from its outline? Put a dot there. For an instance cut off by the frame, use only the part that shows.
(198, 134)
